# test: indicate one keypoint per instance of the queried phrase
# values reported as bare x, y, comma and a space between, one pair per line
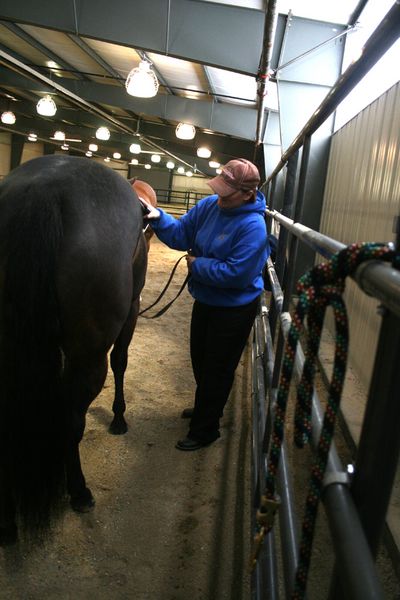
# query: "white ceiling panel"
337, 11
186, 78
120, 58
233, 88
63, 46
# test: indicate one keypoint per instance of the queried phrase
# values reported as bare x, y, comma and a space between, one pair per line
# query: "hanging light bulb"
203, 152
142, 81
185, 131
134, 161
65, 147
117, 155
103, 133
170, 164
46, 107
147, 166
88, 153
8, 117
107, 159
93, 147
214, 164
135, 148
59, 135
32, 137
155, 158
218, 171
189, 174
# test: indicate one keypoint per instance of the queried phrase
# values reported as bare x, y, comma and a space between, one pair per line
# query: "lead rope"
318, 288
166, 307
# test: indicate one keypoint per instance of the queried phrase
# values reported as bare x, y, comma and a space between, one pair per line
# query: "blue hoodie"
231, 247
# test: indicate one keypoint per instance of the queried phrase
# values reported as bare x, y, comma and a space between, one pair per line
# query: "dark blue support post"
17, 146
287, 210
379, 447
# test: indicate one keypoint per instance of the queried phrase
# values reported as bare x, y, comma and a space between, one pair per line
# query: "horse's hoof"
83, 503
118, 427
8, 535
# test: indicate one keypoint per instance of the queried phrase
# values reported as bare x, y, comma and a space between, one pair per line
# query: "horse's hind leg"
119, 361
82, 383
8, 528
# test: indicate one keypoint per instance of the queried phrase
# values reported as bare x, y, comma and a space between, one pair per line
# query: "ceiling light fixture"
189, 174
181, 170
155, 158
214, 164
218, 171
107, 159
142, 81
93, 147
88, 153
147, 166
103, 133
203, 152
170, 164
65, 147
185, 131
8, 117
135, 148
117, 155
46, 107
134, 161
32, 137
59, 136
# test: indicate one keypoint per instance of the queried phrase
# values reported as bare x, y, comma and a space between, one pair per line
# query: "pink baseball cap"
237, 174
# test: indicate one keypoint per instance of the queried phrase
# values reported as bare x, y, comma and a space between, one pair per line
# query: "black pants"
217, 338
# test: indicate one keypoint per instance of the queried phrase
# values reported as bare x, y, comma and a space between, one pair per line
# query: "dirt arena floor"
167, 525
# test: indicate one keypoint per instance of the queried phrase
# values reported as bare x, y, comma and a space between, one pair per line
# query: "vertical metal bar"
264, 578
289, 275
379, 447
287, 514
354, 564
270, 201
287, 210
287, 523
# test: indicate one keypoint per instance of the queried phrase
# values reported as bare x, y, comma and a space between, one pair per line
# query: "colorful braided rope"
319, 288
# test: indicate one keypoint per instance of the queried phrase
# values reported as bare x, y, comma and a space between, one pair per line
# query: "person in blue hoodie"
227, 243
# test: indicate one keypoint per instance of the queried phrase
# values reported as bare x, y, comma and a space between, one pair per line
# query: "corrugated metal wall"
362, 197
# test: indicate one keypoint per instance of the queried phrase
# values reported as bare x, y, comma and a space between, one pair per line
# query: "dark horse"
72, 264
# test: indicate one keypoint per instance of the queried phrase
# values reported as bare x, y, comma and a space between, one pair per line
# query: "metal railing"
356, 510
180, 200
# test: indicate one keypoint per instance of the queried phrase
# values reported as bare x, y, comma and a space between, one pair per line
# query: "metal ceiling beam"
170, 28
265, 63
17, 66
237, 121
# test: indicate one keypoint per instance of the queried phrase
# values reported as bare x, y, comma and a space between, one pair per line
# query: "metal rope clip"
266, 513
265, 519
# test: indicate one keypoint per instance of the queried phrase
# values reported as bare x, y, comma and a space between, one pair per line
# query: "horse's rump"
69, 229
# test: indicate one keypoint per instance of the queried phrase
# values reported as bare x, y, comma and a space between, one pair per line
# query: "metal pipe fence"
355, 509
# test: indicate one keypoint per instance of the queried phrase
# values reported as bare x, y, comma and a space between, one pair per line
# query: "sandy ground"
167, 525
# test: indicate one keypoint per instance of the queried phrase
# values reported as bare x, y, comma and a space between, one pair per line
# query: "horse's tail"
31, 402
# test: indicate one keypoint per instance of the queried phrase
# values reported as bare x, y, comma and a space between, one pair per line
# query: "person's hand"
189, 261
150, 212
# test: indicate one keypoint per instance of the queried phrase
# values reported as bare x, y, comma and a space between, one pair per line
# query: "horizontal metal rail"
374, 277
